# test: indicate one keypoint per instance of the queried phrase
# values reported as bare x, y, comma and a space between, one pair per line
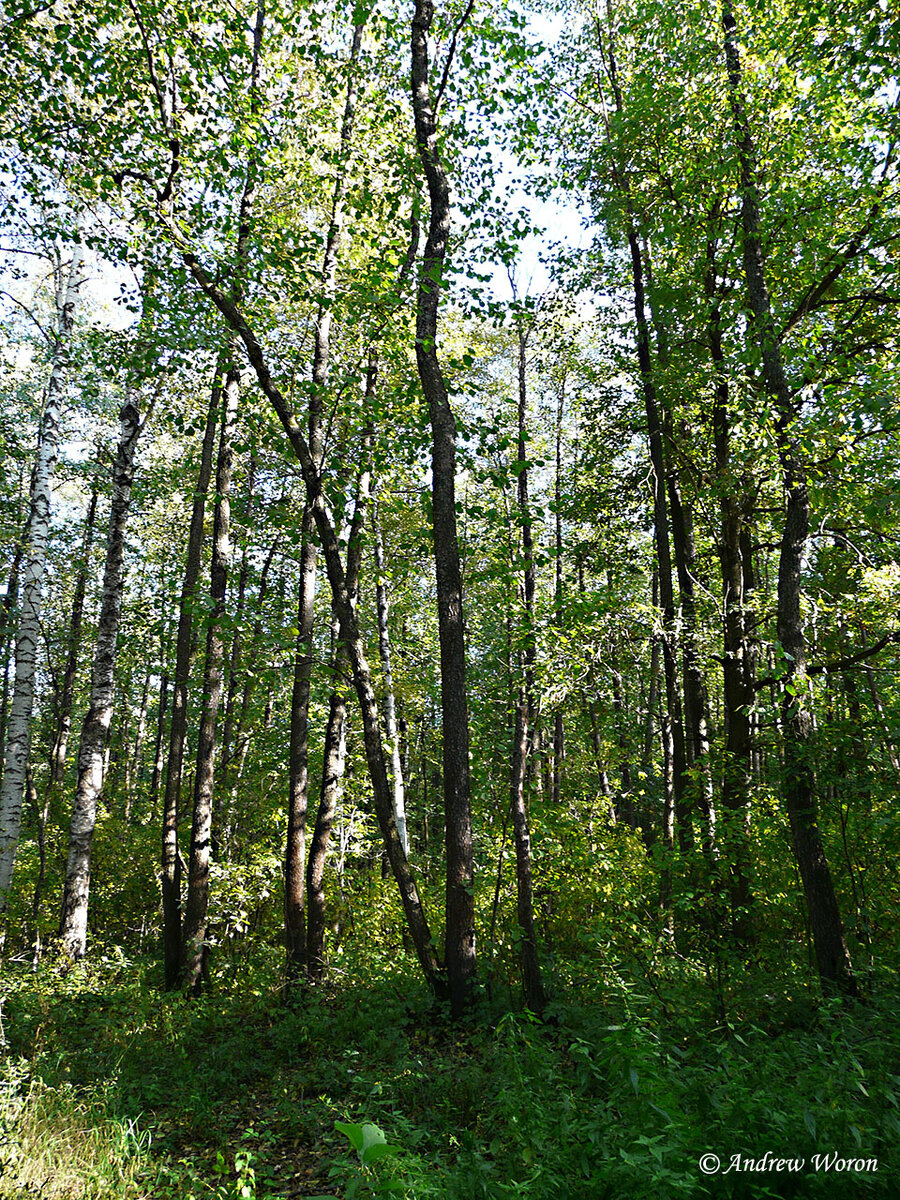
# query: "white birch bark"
18, 729
92, 747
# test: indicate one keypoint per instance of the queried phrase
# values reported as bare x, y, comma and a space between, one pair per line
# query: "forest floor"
111, 1089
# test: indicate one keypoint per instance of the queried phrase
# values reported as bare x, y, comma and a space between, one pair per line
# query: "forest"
449, 599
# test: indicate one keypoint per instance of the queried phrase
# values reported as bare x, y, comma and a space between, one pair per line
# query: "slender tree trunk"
525, 708
558, 720
675, 738
156, 777
196, 909
94, 731
384, 649
350, 633
333, 761
298, 798
887, 739
184, 647
334, 753
832, 956
737, 669
133, 764
18, 728
222, 836
233, 765
460, 905
70, 671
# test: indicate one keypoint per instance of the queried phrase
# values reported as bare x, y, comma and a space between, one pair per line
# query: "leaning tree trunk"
18, 728
94, 731
832, 956
184, 648
460, 907
196, 909
349, 625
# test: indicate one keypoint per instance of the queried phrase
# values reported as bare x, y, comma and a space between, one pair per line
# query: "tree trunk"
94, 731
737, 669
525, 708
184, 646
70, 671
384, 649
298, 798
832, 956
675, 737
460, 904
18, 729
156, 777
196, 909
350, 633
333, 761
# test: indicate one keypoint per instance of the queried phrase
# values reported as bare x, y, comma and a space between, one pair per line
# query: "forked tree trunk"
196, 908
18, 727
832, 956
460, 904
94, 731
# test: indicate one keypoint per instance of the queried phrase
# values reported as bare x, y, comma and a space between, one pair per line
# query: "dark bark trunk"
460, 905
832, 956
184, 643
196, 908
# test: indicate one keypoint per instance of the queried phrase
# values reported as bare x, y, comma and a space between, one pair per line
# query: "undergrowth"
111, 1089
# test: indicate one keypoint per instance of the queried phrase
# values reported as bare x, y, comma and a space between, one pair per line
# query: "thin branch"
450, 53
24, 307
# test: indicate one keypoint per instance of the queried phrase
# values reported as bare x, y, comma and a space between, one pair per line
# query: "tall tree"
460, 905
832, 956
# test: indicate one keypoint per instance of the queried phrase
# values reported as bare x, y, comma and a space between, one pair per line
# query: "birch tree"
18, 728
